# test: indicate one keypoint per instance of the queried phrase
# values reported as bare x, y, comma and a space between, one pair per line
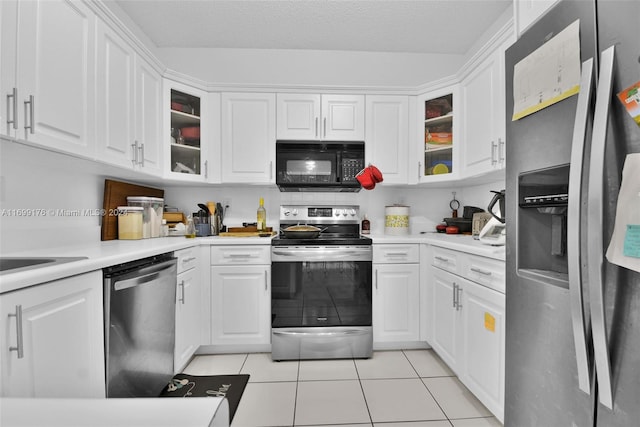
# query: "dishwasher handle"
150, 274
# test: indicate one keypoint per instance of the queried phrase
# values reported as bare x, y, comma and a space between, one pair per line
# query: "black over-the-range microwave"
319, 165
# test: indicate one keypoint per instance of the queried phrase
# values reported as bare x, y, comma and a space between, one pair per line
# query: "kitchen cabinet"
248, 138
439, 135
329, 117
468, 321
192, 134
52, 339
188, 307
129, 105
526, 12
241, 297
396, 302
484, 112
48, 74
387, 136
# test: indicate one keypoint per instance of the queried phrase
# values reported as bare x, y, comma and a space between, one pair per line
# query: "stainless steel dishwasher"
139, 299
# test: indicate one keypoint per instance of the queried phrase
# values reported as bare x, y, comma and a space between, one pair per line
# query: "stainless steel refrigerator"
572, 318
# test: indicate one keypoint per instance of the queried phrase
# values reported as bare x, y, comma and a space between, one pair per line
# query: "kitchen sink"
14, 264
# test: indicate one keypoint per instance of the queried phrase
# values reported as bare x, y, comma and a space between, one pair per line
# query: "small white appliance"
495, 231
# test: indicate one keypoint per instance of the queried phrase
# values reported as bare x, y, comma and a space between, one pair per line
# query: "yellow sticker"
489, 322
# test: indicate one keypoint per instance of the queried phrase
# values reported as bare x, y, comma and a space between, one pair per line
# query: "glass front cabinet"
190, 133
438, 136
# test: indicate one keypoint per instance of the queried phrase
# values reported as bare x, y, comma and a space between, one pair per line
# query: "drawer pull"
397, 254
443, 259
239, 255
185, 260
181, 284
477, 270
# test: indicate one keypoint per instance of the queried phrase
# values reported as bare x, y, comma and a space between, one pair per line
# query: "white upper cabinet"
248, 137
129, 94
320, 117
53, 77
484, 148
527, 12
387, 136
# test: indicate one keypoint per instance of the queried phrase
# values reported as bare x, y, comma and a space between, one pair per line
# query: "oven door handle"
325, 334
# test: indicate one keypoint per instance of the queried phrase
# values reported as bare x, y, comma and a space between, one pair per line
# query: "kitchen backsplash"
49, 199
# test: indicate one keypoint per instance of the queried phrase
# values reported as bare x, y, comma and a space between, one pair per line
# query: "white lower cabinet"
240, 296
468, 321
396, 294
52, 339
188, 307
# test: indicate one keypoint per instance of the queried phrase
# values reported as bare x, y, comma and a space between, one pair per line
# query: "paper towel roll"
396, 220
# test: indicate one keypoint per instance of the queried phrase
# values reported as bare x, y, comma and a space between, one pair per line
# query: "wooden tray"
246, 234
115, 194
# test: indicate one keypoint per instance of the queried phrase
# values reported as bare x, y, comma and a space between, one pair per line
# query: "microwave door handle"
581, 327
595, 232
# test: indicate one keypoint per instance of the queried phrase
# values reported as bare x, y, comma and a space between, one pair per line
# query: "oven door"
321, 302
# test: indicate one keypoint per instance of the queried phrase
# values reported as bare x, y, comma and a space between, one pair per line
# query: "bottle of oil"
190, 232
262, 217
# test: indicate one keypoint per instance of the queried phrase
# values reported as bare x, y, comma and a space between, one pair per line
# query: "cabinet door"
188, 317
439, 136
115, 89
298, 116
8, 85
396, 303
55, 66
148, 117
248, 137
240, 304
387, 127
343, 117
62, 338
446, 318
484, 343
481, 99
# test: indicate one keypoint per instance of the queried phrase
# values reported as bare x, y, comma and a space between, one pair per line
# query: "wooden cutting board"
115, 194
244, 234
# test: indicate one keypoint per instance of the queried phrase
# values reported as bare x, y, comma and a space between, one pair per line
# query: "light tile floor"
405, 388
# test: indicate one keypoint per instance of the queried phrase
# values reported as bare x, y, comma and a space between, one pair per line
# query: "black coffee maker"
497, 198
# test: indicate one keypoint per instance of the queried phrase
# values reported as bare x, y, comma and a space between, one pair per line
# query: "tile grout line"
427, 388
295, 396
364, 396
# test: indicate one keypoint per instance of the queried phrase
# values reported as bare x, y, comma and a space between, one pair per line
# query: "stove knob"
337, 212
286, 212
295, 212
352, 212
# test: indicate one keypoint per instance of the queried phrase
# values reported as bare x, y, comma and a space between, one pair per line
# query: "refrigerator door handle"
595, 249
581, 327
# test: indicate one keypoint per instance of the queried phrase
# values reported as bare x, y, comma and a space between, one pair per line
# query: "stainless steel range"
321, 286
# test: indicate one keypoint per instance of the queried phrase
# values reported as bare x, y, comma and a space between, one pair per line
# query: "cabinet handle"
185, 260
206, 168
317, 126
141, 151
19, 348
239, 255
477, 270
376, 279
443, 259
134, 153
454, 293
494, 146
30, 114
325, 127
419, 170
13, 95
397, 254
266, 281
181, 284
458, 292
271, 170
501, 147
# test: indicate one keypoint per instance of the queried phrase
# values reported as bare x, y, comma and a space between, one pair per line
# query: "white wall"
291, 68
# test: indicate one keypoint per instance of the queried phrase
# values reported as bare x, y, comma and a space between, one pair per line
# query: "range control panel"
305, 214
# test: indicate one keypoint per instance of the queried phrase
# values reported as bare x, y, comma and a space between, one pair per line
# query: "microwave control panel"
350, 168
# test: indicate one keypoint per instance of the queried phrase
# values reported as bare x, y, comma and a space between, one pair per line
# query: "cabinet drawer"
445, 259
486, 271
396, 253
187, 259
228, 255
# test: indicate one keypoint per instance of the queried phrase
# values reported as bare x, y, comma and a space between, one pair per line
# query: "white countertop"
105, 254
457, 242
141, 412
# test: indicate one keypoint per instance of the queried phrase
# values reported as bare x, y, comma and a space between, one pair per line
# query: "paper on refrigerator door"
549, 74
625, 241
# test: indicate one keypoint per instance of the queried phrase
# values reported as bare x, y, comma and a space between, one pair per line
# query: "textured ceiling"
420, 26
